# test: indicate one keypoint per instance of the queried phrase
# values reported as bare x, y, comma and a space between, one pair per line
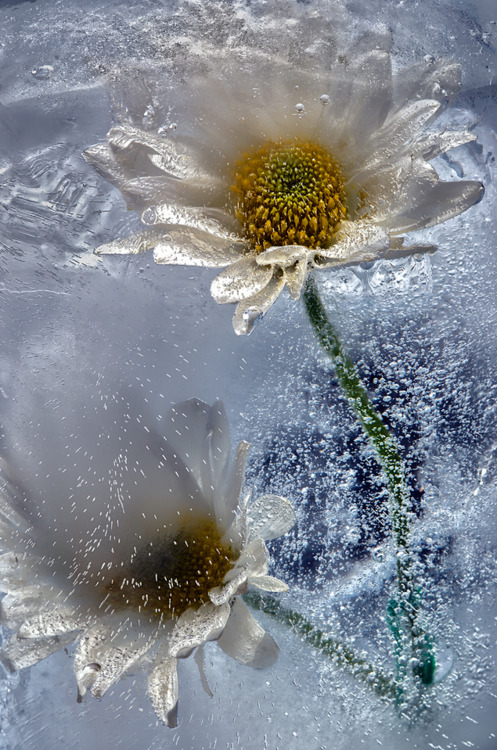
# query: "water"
88, 339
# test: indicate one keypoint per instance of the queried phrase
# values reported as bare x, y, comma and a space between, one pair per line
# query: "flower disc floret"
168, 576
289, 194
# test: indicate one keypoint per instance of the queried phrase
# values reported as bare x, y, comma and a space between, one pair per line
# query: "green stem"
340, 654
388, 455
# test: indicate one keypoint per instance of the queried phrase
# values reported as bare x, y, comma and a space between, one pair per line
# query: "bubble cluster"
289, 194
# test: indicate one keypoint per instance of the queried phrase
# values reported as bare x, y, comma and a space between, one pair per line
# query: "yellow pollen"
170, 575
289, 193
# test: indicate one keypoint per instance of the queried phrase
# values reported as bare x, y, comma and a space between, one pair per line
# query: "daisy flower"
276, 169
154, 582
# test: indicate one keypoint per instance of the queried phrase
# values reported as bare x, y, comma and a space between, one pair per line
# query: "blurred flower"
281, 168
154, 583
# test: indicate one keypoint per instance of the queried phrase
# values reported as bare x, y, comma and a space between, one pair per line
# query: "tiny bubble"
324, 99
149, 114
378, 555
299, 107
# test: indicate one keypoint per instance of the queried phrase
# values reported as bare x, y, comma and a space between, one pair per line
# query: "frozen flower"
277, 168
154, 582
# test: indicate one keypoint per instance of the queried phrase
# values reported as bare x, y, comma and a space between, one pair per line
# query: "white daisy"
157, 582
275, 169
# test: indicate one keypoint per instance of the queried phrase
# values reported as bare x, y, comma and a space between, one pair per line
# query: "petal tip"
244, 324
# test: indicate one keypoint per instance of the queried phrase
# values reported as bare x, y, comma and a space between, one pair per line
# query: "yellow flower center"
289, 194
167, 577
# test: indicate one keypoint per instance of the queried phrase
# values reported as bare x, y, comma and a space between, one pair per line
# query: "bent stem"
340, 654
404, 610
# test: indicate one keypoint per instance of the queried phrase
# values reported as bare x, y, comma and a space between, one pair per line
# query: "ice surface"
87, 342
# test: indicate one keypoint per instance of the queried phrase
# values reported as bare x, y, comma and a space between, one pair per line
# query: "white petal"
227, 501
142, 192
268, 583
20, 653
221, 595
356, 240
211, 220
214, 463
236, 534
294, 259
394, 134
16, 570
360, 89
199, 435
396, 184
245, 641
16, 607
284, 255
295, 278
252, 561
144, 183
166, 485
58, 621
136, 243
406, 250
217, 448
102, 159
433, 144
141, 151
163, 689
104, 654
14, 523
240, 280
163, 482
192, 247
371, 96
195, 627
270, 516
200, 662
249, 312
442, 202
176, 246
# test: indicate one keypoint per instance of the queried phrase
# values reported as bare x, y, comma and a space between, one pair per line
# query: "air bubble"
167, 128
251, 316
149, 216
445, 663
43, 72
149, 114
299, 108
324, 99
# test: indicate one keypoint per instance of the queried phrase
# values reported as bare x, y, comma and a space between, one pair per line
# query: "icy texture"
91, 345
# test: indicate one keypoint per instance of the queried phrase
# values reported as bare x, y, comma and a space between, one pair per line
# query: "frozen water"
87, 342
